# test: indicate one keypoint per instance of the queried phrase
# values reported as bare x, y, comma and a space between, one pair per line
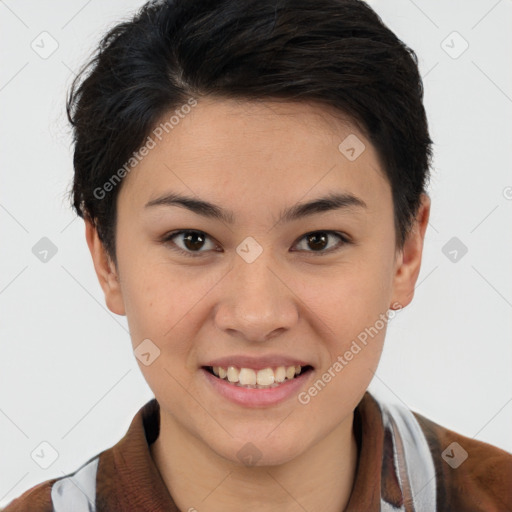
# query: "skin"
255, 159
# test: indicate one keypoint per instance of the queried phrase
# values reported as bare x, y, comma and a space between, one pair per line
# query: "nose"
257, 303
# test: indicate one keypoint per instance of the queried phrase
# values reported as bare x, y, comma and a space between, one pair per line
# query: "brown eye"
318, 241
193, 240
189, 242
192, 243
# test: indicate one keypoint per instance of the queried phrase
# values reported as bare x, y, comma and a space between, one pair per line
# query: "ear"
408, 261
105, 270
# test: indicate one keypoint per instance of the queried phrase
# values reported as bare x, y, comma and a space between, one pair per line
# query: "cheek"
160, 308
353, 313
164, 303
153, 298
349, 299
352, 305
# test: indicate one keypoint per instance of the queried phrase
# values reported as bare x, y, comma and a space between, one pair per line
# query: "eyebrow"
331, 202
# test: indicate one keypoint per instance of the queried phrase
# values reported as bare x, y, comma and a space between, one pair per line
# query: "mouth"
251, 378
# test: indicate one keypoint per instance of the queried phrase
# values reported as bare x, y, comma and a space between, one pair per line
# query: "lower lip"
252, 397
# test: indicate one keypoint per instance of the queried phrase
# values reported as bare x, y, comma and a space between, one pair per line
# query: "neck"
320, 479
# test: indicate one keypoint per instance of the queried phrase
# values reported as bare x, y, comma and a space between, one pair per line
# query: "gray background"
68, 376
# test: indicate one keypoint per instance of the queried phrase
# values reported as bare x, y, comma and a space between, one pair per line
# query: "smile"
263, 381
257, 379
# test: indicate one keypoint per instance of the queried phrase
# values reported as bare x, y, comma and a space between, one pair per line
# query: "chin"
259, 451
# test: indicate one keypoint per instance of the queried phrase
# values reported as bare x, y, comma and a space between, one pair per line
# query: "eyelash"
194, 254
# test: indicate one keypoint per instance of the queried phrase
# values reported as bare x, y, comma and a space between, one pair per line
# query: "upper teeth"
248, 376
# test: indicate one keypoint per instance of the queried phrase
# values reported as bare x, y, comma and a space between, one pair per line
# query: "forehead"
227, 150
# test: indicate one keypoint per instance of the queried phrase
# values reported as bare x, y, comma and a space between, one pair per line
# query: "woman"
252, 176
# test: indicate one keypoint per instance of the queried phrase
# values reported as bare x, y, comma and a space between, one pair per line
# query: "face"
256, 281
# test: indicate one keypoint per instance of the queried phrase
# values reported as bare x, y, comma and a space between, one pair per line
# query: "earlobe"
105, 270
409, 261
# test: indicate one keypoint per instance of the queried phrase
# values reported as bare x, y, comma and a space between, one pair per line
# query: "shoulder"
437, 468
471, 475
56, 495
105, 478
37, 499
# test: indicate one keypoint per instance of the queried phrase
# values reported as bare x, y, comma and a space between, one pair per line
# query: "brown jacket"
406, 463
